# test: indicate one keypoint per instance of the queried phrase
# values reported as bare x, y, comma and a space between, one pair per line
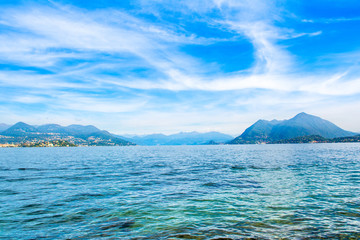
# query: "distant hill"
80, 129
3, 127
103, 138
147, 140
258, 132
355, 138
77, 134
318, 139
304, 139
302, 124
182, 138
20, 129
52, 128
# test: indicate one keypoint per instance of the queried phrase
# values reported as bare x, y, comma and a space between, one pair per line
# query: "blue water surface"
301, 191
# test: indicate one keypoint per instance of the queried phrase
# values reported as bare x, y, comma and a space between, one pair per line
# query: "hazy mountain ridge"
90, 135
77, 134
302, 124
3, 127
182, 138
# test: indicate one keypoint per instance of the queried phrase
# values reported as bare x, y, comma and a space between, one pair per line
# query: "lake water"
308, 191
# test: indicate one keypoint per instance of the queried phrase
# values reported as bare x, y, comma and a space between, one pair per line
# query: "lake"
303, 191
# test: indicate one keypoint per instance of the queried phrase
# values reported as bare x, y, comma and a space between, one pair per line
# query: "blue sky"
150, 66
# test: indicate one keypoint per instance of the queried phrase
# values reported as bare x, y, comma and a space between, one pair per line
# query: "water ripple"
185, 192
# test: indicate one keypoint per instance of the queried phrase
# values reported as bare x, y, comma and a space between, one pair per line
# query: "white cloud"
330, 20
86, 34
68, 42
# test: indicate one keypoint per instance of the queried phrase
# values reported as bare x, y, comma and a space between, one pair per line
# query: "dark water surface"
308, 191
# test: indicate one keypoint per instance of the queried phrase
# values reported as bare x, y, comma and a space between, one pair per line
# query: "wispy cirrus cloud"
331, 20
134, 63
85, 35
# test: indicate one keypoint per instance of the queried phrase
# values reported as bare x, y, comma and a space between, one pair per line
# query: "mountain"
20, 129
195, 138
3, 127
73, 130
76, 134
305, 124
182, 138
52, 128
302, 124
104, 138
148, 140
259, 131
79, 129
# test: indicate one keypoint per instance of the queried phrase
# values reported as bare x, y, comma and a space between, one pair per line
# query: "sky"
165, 66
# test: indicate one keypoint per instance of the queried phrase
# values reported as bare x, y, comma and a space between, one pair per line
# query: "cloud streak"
114, 61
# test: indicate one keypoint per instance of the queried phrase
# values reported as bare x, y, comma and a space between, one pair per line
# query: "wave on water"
182, 192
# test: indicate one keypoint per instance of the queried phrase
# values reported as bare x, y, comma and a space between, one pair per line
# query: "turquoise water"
308, 191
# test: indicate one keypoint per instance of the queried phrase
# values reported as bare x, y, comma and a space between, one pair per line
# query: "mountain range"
90, 135
182, 138
302, 124
299, 129
77, 134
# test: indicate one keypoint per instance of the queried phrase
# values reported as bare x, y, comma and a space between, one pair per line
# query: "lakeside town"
55, 143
